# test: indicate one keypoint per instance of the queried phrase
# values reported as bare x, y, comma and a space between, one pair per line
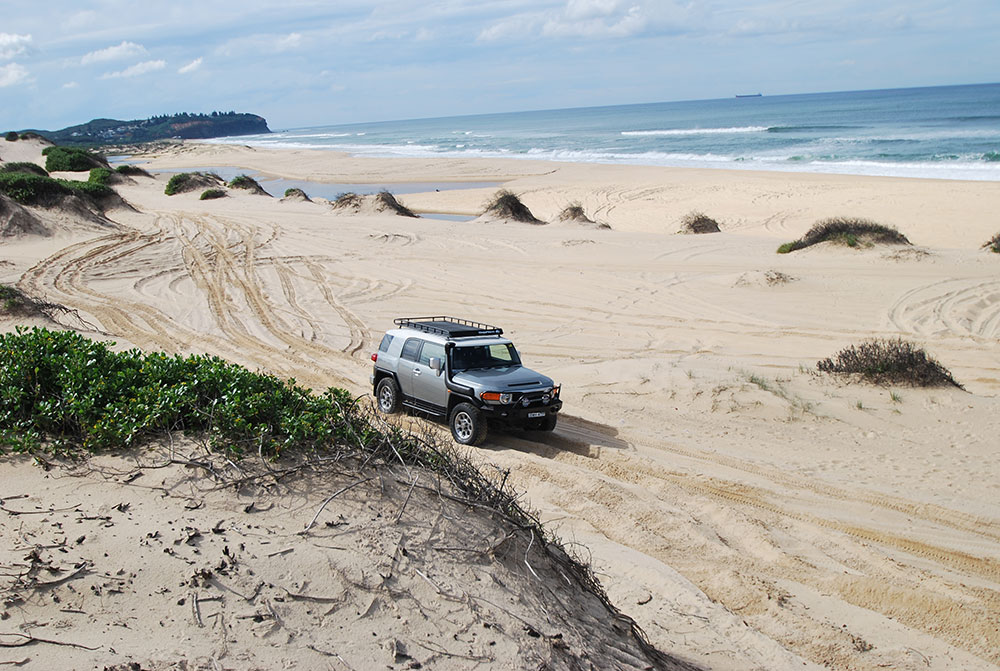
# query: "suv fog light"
505, 398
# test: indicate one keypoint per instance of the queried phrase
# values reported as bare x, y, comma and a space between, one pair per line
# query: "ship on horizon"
749, 95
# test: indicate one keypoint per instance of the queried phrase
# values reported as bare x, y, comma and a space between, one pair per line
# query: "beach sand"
746, 511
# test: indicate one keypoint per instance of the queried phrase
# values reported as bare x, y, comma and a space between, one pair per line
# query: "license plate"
533, 415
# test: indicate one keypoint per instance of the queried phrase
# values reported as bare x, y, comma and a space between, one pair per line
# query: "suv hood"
516, 378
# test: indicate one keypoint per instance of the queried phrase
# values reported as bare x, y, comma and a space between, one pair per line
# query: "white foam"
697, 131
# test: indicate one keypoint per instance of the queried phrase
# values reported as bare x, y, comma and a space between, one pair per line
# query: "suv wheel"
387, 396
468, 426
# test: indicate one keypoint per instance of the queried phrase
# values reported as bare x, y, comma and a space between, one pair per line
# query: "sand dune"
748, 513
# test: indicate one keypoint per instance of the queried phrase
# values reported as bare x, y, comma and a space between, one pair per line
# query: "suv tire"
468, 426
387, 396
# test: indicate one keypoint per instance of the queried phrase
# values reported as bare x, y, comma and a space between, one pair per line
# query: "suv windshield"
500, 355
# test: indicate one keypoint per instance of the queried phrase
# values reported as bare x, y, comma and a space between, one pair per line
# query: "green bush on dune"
24, 166
849, 231
212, 194
31, 189
71, 159
131, 171
59, 386
11, 136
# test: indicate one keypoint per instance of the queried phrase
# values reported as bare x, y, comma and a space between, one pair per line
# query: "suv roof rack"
451, 327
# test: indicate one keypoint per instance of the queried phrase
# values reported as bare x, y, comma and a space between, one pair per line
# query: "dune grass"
889, 362
131, 171
993, 244
387, 201
698, 223
852, 232
212, 194
506, 205
191, 181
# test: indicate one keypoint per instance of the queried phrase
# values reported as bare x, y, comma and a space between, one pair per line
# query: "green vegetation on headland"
847, 231
182, 126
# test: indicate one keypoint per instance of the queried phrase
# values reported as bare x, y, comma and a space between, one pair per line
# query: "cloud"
11, 74
13, 45
288, 42
123, 50
597, 19
136, 70
70, 85
190, 67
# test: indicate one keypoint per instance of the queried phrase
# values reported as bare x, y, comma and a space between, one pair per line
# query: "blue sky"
302, 63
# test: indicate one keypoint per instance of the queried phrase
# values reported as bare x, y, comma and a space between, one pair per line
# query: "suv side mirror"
435, 365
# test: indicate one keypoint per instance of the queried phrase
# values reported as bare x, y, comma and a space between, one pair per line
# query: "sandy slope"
747, 513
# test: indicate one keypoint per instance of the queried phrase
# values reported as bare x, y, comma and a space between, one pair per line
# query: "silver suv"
463, 371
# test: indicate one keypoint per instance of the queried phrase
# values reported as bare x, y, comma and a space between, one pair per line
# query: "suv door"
407, 364
428, 386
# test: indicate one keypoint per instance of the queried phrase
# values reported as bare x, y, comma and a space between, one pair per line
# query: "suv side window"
386, 341
410, 349
431, 349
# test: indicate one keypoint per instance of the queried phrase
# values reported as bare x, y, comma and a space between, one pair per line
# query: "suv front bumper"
517, 415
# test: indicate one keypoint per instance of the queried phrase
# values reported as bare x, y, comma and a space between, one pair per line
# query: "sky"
305, 63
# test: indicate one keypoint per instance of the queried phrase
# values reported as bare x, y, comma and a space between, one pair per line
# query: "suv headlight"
555, 391
496, 397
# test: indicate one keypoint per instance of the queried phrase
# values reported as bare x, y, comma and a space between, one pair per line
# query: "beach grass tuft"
889, 362
849, 231
212, 194
297, 194
129, 170
247, 183
506, 205
697, 222
192, 181
993, 244
386, 201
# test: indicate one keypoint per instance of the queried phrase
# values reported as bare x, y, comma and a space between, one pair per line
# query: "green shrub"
190, 181
243, 182
71, 159
100, 176
889, 362
212, 194
31, 189
11, 136
131, 171
24, 166
62, 387
298, 193
846, 231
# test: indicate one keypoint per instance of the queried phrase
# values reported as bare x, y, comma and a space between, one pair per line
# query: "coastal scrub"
849, 231
71, 159
506, 205
993, 244
889, 362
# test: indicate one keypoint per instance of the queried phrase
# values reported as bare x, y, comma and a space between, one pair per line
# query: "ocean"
945, 132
